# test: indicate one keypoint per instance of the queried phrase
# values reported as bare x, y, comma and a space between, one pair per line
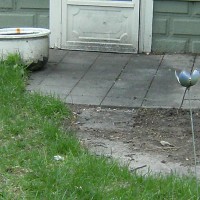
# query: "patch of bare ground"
159, 140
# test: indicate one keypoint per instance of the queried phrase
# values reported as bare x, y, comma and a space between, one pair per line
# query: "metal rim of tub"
14, 33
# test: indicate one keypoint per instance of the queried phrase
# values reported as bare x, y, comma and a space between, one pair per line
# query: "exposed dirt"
159, 139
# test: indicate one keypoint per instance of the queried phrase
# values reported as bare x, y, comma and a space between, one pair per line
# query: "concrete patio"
116, 80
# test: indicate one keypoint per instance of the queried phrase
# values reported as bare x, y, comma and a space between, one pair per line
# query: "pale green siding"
24, 13
176, 27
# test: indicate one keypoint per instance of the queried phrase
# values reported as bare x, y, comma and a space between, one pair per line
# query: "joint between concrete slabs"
84, 74
116, 79
152, 80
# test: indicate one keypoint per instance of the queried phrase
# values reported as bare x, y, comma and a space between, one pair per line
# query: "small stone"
98, 109
165, 143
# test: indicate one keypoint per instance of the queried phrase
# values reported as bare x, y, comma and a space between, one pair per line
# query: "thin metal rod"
193, 141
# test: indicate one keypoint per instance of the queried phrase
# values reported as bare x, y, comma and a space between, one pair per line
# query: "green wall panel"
16, 19
34, 4
6, 4
171, 7
176, 27
160, 25
24, 13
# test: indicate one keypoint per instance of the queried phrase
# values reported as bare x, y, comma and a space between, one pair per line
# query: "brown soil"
144, 130
170, 125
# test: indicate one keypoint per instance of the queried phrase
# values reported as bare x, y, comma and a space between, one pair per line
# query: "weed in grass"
31, 134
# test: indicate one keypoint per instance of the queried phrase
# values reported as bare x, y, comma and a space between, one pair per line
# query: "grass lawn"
32, 133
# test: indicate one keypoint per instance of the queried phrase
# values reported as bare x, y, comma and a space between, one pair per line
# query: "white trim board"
55, 22
146, 22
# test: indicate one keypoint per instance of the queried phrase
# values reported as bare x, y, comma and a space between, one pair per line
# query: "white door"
100, 25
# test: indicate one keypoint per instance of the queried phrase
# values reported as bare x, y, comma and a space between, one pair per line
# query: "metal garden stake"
187, 80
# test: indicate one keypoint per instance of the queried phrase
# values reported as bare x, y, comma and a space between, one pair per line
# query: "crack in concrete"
116, 79
152, 80
88, 69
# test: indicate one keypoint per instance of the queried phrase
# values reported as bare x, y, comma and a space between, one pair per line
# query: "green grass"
32, 133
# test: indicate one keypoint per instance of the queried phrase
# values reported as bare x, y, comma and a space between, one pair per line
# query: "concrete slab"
178, 62
90, 91
84, 100
48, 68
194, 92
51, 90
101, 75
122, 102
95, 83
128, 78
59, 82
71, 67
124, 84
133, 86
56, 55
141, 61
165, 91
163, 101
106, 60
138, 75
130, 92
197, 63
106, 68
195, 104
38, 76
67, 73
80, 57
35, 80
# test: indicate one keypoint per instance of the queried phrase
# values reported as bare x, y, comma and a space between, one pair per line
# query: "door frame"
145, 25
